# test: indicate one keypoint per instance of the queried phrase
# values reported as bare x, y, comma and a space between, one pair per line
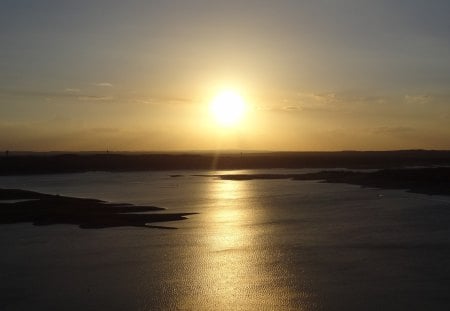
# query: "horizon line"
237, 151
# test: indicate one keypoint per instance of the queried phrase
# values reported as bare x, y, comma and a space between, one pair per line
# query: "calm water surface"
255, 245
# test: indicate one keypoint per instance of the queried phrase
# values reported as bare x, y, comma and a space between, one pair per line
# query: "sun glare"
228, 107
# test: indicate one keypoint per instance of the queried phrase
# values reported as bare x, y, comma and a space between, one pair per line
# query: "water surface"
256, 245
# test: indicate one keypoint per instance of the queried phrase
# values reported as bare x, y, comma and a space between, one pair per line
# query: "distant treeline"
70, 163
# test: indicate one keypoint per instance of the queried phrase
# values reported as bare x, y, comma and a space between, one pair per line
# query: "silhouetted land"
418, 180
44, 209
72, 163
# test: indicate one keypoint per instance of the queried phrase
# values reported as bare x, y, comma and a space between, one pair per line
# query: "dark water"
256, 245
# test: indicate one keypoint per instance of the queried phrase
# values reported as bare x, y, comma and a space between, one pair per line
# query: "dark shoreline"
45, 209
11, 164
432, 181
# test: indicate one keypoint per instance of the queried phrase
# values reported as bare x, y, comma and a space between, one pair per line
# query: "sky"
141, 75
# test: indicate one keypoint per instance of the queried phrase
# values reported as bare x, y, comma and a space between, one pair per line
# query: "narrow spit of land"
418, 180
17, 206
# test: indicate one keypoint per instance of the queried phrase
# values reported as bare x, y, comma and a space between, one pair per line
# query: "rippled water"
255, 245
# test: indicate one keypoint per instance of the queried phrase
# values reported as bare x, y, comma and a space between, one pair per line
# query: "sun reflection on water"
229, 215
232, 271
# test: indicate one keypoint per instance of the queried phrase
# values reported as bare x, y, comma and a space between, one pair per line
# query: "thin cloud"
418, 99
33, 93
163, 100
95, 98
72, 90
141, 101
338, 102
103, 84
319, 102
393, 130
292, 108
105, 130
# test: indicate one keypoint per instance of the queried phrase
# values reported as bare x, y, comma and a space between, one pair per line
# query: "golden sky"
141, 75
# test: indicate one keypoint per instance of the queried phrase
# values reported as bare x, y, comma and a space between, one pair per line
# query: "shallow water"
255, 245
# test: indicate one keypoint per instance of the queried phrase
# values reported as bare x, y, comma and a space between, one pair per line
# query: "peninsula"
18, 206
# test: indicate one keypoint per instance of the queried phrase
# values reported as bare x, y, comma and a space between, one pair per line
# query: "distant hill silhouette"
71, 163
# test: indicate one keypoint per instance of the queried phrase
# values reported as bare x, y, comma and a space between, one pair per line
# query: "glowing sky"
138, 75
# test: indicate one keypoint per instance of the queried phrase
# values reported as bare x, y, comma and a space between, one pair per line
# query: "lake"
254, 245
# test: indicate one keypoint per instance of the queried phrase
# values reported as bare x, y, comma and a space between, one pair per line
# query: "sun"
228, 107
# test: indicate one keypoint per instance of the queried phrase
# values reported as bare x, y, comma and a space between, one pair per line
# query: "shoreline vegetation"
21, 206
432, 181
49, 163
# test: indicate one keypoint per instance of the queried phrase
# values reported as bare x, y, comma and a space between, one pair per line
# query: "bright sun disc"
228, 108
